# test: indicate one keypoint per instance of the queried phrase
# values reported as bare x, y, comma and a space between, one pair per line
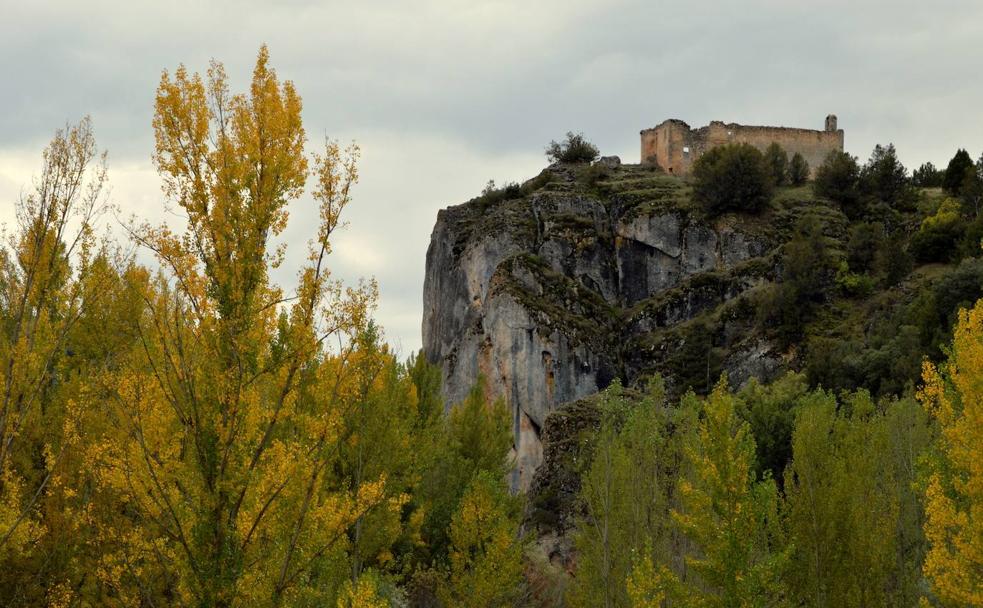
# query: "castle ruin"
674, 146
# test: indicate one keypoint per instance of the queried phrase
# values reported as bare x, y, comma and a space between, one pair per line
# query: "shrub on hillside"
575, 149
939, 234
732, 178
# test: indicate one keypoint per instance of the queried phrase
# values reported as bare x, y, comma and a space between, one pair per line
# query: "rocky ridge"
584, 274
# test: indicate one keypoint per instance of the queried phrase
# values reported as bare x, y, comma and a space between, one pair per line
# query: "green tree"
627, 493
776, 159
837, 179
971, 189
853, 514
939, 234
575, 149
798, 170
474, 437
885, 178
485, 553
955, 172
731, 518
770, 411
927, 176
734, 177
808, 266
377, 436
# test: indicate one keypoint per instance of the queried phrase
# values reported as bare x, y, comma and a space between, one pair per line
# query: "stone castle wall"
674, 146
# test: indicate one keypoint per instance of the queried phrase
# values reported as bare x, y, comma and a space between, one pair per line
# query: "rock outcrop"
582, 275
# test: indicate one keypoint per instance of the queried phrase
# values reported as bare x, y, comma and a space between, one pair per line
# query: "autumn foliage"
197, 435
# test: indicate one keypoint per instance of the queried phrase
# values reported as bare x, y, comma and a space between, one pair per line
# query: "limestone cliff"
582, 275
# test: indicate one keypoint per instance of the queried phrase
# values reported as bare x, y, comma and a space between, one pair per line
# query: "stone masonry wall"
674, 146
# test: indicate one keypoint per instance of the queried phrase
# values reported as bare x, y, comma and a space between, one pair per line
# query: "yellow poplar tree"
46, 285
218, 458
485, 554
953, 394
731, 519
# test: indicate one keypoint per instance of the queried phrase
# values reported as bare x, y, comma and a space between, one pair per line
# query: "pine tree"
798, 170
776, 160
955, 172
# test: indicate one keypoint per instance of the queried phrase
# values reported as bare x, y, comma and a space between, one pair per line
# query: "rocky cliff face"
583, 275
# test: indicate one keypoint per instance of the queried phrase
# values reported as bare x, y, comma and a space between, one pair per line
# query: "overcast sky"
445, 95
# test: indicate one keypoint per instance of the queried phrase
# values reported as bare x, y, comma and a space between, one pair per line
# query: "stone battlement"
674, 146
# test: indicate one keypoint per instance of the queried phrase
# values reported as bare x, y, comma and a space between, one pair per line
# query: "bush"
955, 173
575, 149
939, 234
492, 194
836, 179
594, 174
777, 161
732, 177
798, 170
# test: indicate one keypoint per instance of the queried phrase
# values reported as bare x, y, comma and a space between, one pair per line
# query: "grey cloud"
445, 94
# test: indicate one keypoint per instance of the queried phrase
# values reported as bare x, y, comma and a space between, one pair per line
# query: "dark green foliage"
474, 437
892, 260
955, 173
732, 178
971, 189
972, 239
770, 410
937, 243
837, 179
862, 245
808, 268
852, 504
886, 354
695, 362
872, 251
798, 170
492, 194
927, 176
575, 149
884, 178
776, 159
939, 235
